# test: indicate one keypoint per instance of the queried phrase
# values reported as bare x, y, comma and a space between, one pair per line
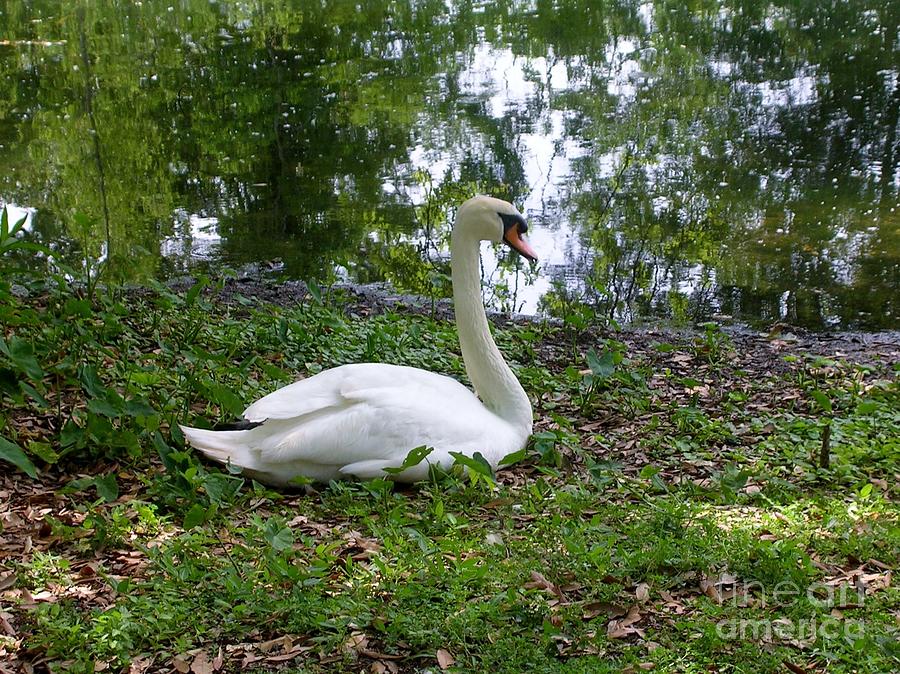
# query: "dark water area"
676, 160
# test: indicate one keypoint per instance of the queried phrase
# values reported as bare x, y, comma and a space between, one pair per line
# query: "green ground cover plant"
691, 501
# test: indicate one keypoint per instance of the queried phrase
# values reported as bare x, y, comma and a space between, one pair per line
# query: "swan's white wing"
345, 385
360, 418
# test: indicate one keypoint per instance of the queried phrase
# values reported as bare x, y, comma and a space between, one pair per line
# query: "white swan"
355, 420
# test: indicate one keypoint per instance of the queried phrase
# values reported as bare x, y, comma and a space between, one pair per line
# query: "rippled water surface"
675, 159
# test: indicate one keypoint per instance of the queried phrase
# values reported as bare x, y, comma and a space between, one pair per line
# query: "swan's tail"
222, 446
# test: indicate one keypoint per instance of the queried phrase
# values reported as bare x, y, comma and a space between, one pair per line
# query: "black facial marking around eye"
515, 220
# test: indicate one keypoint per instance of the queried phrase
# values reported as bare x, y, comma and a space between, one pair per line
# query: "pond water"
683, 160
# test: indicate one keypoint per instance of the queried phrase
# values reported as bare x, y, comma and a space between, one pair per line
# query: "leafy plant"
600, 372
11, 236
413, 458
12, 453
714, 343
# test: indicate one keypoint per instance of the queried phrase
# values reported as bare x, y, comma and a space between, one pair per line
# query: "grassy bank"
681, 508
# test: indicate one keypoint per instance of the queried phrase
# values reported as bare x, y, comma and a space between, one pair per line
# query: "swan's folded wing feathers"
335, 386
371, 418
298, 399
351, 383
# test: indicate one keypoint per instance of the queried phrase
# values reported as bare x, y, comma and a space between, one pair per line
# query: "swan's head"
490, 219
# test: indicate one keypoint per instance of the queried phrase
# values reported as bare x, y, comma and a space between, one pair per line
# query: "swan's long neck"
494, 381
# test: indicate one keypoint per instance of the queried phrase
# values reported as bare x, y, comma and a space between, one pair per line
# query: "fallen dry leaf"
633, 616
595, 608
201, 664
619, 629
876, 581
376, 655
642, 592
355, 643
88, 570
218, 660
539, 582
708, 587
284, 642
445, 660
139, 665
180, 663
7, 627
295, 652
871, 562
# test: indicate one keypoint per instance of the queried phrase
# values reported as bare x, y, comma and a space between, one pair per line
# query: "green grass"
671, 512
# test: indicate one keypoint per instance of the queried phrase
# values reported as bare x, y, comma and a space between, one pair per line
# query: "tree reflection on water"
676, 159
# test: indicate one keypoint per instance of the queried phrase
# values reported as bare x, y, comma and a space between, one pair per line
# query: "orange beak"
518, 244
